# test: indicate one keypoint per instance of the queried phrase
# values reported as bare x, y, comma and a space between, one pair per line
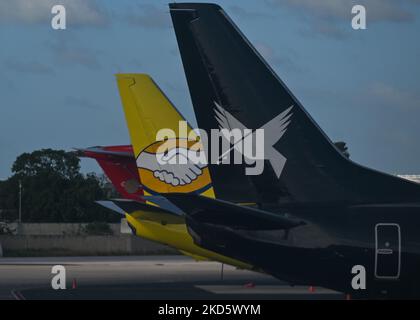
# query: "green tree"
54, 190
342, 146
60, 162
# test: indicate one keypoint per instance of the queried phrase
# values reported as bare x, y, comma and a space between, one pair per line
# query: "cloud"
247, 15
148, 16
67, 51
332, 17
387, 95
378, 10
328, 29
33, 67
79, 12
78, 56
272, 58
81, 103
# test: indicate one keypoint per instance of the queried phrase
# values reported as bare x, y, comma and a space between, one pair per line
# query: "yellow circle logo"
171, 166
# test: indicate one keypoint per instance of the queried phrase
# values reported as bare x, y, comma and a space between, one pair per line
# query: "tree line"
54, 190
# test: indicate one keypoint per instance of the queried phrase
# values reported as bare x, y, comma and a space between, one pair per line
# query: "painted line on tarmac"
263, 289
17, 295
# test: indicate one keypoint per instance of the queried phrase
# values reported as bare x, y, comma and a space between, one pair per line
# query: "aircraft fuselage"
383, 239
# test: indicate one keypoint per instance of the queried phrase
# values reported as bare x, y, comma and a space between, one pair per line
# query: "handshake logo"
179, 159
172, 165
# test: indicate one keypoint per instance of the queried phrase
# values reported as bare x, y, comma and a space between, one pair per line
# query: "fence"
61, 239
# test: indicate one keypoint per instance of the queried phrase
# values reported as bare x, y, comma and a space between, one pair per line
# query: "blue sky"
58, 89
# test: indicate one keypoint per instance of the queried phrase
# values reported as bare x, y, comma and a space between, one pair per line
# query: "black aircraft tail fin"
232, 86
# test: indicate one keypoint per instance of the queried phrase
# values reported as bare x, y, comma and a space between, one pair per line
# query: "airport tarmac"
143, 277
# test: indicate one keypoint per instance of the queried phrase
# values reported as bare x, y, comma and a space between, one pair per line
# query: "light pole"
20, 202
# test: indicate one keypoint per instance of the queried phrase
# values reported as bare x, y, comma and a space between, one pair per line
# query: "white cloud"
69, 51
378, 10
326, 16
148, 16
241, 12
389, 95
285, 61
79, 12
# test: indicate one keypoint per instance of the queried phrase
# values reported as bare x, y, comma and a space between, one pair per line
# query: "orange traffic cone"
311, 289
249, 285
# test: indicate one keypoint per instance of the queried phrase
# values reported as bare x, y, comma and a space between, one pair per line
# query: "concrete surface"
145, 277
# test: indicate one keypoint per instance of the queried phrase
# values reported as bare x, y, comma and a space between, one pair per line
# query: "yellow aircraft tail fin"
147, 110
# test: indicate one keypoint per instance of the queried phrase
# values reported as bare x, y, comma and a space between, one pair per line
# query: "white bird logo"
273, 131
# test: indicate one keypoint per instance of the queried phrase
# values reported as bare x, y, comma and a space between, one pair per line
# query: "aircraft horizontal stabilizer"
163, 203
98, 150
126, 206
217, 212
111, 206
